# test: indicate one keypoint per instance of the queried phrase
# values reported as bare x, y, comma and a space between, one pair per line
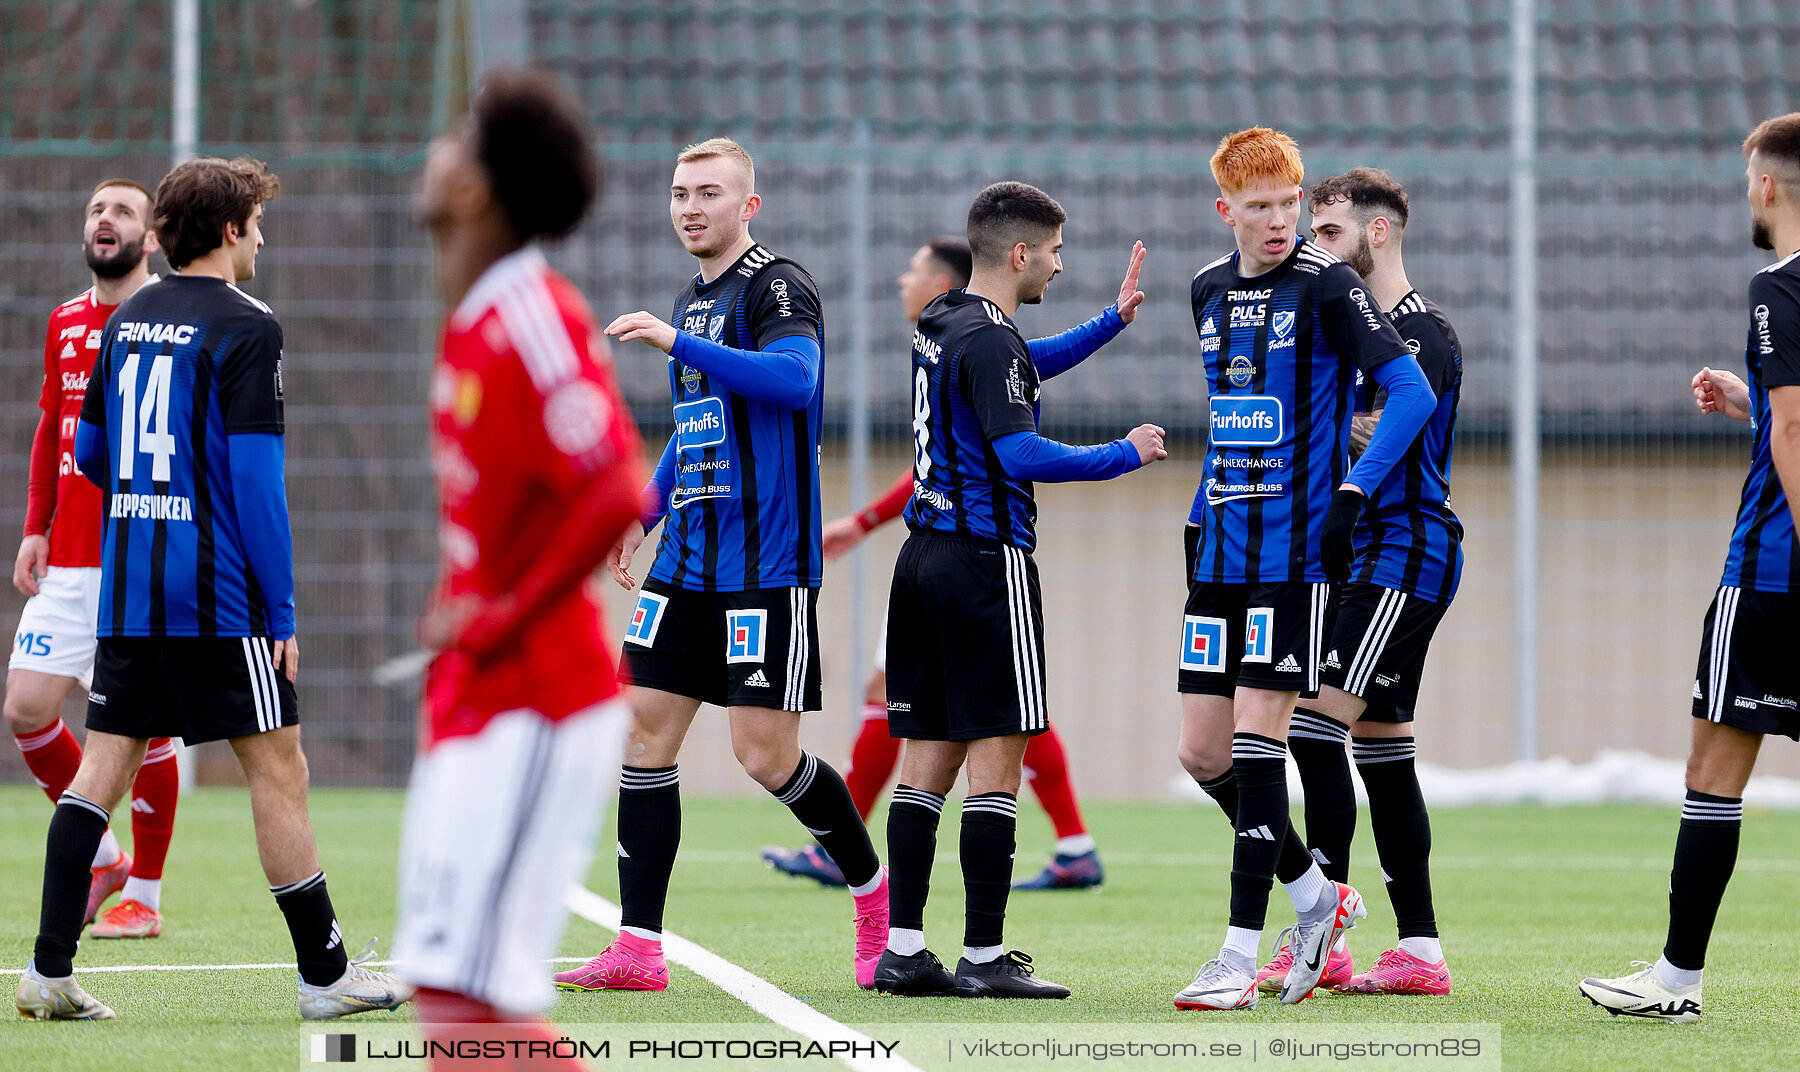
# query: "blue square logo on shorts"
1258, 622
1203, 644
646, 619
745, 632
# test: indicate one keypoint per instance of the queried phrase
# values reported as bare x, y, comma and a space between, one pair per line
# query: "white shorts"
497, 826
56, 629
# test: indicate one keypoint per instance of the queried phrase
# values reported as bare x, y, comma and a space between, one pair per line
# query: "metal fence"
1641, 250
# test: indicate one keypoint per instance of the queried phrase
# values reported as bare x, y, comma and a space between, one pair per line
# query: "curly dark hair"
537, 152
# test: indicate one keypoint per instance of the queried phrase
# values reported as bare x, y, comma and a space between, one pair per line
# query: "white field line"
761, 995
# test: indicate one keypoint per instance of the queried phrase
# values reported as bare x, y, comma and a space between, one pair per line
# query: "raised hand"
646, 326
1148, 439
1130, 297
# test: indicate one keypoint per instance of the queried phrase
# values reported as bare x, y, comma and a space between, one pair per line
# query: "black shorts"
1749, 675
1259, 636
1377, 649
756, 648
196, 688
965, 653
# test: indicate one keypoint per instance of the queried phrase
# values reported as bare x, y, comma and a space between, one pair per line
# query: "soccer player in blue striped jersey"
1747, 686
726, 614
182, 428
965, 622
1284, 329
1408, 560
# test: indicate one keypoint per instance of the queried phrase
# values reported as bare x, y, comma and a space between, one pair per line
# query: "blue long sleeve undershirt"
257, 461
656, 493
1057, 354
1029, 456
90, 453
786, 374
1410, 404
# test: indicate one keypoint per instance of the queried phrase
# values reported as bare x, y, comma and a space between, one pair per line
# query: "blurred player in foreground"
965, 613
183, 428
940, 265
1748, 682
58, 567
538, 472
1284, 328
726, 614
1407, 566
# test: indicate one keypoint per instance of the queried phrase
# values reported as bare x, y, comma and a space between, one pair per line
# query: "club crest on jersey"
1203, 644
1246, 420
715, 329
745, 632
646, 619
700, 424
1241, 371
1258, 623
1281, 327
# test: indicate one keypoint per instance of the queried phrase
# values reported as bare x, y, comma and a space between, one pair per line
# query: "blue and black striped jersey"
1280, 351
973, 381
186, 366
1764, 555
744, 509
1408, 538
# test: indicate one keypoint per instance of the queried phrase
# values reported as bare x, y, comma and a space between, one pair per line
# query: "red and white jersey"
526, 415
70, 345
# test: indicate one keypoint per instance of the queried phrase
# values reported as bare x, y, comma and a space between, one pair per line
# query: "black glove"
1340, 521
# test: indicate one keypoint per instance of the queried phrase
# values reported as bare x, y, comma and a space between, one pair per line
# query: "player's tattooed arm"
1362, 429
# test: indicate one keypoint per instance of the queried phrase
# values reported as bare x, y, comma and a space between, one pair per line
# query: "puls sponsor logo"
1249, 316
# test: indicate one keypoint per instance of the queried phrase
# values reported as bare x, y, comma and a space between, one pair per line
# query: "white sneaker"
40, 998
359, 989
1644, 993
1220, 985
1313, 938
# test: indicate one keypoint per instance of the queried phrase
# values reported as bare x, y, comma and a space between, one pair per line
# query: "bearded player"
58, 567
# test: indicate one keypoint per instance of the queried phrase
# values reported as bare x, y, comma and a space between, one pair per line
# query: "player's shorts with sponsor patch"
498, 824
1378, 639
196, 688
965, 641
1749, 672
755, 648
56, 628
1260, 636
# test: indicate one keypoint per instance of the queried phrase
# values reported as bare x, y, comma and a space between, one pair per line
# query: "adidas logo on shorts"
1287, 666
757, 680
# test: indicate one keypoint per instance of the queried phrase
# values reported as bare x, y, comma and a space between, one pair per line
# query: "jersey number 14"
145, 427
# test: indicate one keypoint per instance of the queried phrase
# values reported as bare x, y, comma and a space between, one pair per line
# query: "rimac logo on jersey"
1246, 420
1203, 644
699, 424
646, 619
745, 632
1258, 623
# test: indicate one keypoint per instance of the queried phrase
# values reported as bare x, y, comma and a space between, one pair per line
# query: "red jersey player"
940, 265
58, 567
539, 470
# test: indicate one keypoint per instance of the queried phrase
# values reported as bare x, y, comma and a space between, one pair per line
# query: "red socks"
873, 757
154, 796
1048, 766
53, 755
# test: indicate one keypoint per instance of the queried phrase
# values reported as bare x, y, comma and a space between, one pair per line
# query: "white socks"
1242, 943
906, 943
1672, 976
981, 954
1306, 890
645, 933
109, 852
1426, 949
1075, 845
145, 891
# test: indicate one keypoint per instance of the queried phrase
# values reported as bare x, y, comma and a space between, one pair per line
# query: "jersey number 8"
148, 428
921, 431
